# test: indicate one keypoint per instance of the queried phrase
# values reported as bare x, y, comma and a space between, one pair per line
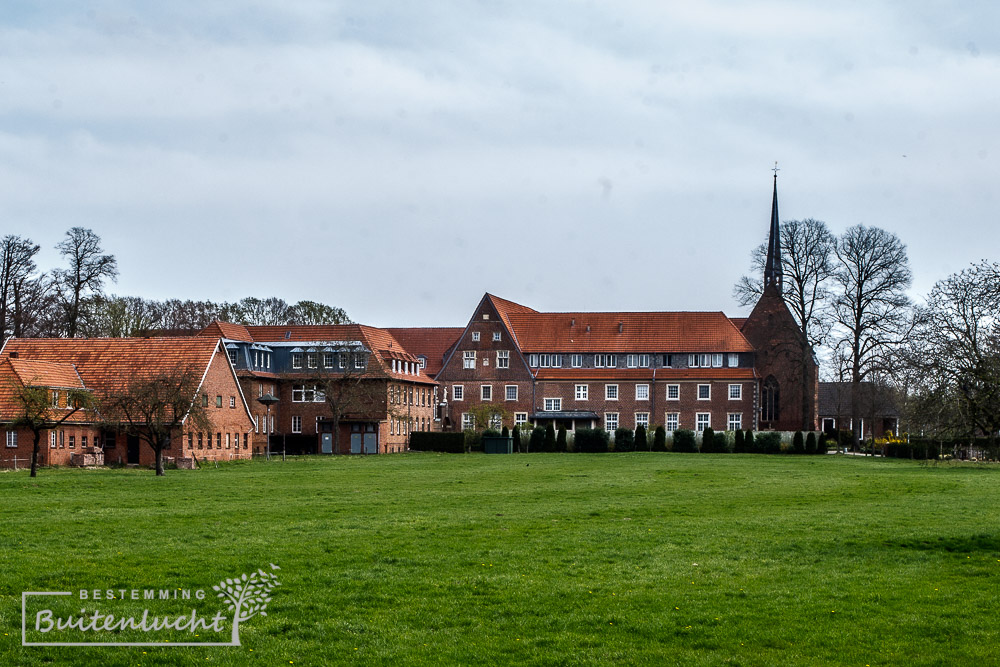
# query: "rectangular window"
642, 392
55, 398
458, 392
533, 360
632, 360
256, 425
673, 421
469, 359
520, 418
201, 442
734, 360
693, 360
716, 361
190, 440
328, 360
610, 421
735, 421
702, 420
475, 336
296, 424
12, 438
503, 358
83, 441
341, 360
232, 401
204, 400
637, 361
611, 392
576, 360
704, 392
422, 362
673, 392
582, 392
72, 441
359, 360
735, 392
468, 421
553, 404
605, 361
668, 360
642, 419
232, 357
218, 441
229, 444
296, 360
486, 392
511, 392
218, 401
52, 439
496, 336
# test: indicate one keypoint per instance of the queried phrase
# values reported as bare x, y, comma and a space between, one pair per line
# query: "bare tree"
955, 349
807, 264
870, 303
155, 408
17, 269
88, 268
35, 412
251, 311
121, 316
311, 312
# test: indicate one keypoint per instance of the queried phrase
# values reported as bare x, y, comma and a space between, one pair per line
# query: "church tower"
787, 398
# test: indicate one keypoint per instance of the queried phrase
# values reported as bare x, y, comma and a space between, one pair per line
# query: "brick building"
340, 389
104, 366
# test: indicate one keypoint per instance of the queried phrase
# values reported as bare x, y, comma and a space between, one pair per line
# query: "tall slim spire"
772, 269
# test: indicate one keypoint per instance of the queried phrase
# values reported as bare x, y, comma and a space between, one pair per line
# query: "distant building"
878, 407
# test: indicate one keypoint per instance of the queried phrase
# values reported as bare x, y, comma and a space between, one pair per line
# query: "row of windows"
218, 401
261, 359
204, 441
407, 426
582, 393
672, 422
469, 359
330, 360
632, 360
496, 336
409, 396
307, 393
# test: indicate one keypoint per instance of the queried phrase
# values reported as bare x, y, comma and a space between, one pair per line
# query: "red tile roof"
640, 374
219, 329
34, 373
738, 322
670, 332
107, 364
506, 309
431, 342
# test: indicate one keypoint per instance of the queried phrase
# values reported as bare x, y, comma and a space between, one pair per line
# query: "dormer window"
232, 356
422, 362
55, 398
359, 360
296, 360
311, 359
328, 360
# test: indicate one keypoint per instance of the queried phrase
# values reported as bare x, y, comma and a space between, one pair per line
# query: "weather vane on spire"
775, 170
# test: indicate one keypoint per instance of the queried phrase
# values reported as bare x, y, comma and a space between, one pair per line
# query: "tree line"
70, 300
938, 358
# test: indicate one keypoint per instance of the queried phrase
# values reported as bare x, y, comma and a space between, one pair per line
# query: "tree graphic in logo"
247, 596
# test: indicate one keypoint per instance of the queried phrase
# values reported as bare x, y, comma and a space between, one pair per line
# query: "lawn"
528, 559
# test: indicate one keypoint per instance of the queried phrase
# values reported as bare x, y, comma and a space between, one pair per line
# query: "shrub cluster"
624, 440
660, 439
427, 441
684, 441
591, 440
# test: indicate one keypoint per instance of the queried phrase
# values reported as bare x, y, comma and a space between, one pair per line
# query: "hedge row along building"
359, 389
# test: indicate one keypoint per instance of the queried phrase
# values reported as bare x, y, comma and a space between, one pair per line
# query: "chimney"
588, 328
572, 322
620, 325
13, 355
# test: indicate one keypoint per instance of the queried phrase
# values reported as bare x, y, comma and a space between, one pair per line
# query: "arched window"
769, 405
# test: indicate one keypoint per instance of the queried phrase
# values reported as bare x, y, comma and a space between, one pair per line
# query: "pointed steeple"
772, 269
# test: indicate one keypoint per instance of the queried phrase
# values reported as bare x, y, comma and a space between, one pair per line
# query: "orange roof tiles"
507, 308
431, 342
220, 329
107, 364
656, 332
34, 373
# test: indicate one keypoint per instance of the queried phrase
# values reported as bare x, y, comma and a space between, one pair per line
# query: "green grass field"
540, 559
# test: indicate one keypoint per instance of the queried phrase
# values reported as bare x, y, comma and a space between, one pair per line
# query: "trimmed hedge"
798, 443
641, 441
768, 442
660, 439
624, 440
739, 443
811, 443
561, 440
549, 444
537, 441
592, 440
427, 441
516, 434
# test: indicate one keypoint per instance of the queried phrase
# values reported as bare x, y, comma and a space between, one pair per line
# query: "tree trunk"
159, 460
34, 454
336, 432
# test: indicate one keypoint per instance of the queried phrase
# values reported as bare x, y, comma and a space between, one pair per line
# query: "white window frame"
468, 421
735, 421
422, 362
643, 419
610, 389
475, 336
503, 358
507, 392
672, 421
642, 392
716, 361
677, 389
702, 420
705, 398
735, 392
328, 360
576, 360
496, 336
582, 392
552, 404
52, 439
611, 421
520, 418
486, 392
605, 361
734, 360
458, 392
468, 359
296, 360
632, 361
312, 360
359, 361
12, 439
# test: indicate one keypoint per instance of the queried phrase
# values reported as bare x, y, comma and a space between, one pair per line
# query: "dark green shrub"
491, 433
738, 443
845, 438
822, 444
516, 435
624, 440
591, 440
641, 442
473, 441
536, 443
505, 432
550, 439
768, 442
684, 441
798, 443
811, 443
660, 439
721, 441
749, 444
708, 441
428, 441
561, 440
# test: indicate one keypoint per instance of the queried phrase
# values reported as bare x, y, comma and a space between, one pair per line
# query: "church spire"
772, 269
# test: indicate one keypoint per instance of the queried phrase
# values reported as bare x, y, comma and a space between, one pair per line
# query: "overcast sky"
399, 159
